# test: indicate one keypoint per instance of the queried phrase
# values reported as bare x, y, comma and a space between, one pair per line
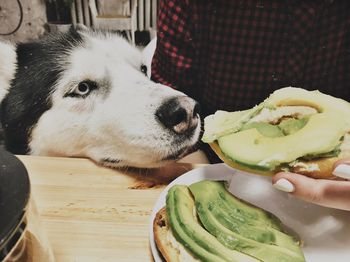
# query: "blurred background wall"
34, 19
133, 17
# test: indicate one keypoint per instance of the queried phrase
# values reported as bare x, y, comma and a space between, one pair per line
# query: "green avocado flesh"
291, 125
284, 128
267, 147
257, 150
228, 229
188, 230
264, 129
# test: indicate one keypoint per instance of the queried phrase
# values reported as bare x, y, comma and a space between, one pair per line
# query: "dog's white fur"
115, 122
148, 53
8, 66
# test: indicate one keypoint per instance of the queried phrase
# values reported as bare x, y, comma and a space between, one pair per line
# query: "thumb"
328, 193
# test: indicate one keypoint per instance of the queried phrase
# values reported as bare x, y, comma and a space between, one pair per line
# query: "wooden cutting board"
91, 213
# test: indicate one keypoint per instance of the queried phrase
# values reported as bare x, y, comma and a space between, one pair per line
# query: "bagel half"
315, 138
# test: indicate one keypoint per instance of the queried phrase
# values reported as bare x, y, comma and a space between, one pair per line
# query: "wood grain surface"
91, 213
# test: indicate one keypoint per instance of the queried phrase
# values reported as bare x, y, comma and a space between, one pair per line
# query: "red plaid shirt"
232, 54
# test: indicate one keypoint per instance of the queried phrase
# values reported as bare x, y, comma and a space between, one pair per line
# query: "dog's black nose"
179, 114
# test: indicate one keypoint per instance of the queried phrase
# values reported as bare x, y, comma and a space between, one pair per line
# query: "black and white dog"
86, 93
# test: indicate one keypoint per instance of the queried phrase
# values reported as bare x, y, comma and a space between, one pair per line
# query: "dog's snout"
179, 114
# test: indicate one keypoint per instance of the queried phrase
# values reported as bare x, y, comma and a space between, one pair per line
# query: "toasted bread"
172, 250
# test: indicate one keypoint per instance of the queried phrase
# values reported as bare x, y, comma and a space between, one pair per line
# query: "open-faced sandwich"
293, 130
205, 222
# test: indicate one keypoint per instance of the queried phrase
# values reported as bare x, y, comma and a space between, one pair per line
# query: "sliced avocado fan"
188, 230
241, 226
213, 225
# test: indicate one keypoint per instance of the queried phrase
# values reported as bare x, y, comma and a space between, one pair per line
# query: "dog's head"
86, 93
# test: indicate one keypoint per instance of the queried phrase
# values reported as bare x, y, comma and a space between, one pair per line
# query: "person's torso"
247, 49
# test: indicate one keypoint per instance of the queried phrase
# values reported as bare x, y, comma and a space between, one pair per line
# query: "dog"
87, 93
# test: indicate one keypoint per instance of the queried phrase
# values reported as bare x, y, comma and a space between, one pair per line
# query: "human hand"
329, 193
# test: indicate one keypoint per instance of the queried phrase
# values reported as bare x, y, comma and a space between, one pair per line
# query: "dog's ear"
8, 66
80, 28
148, 53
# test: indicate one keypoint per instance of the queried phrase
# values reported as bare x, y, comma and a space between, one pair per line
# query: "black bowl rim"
14, 194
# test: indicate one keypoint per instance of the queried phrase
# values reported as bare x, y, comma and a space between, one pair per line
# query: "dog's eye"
143, 69
83, 89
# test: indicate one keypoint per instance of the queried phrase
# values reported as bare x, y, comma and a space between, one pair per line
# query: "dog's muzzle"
180, 114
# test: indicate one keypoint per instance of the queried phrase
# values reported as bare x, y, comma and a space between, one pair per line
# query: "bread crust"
161, 231
325, 165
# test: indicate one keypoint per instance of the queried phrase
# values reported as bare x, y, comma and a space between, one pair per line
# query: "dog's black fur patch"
39, 65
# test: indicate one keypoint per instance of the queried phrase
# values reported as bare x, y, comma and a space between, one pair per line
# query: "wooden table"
91, 213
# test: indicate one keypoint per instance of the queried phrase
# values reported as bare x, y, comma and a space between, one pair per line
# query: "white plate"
325, 231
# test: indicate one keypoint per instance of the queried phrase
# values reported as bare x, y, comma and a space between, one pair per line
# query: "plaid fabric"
232, 54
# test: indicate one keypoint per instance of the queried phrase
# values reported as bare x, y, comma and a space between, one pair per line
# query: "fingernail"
342, 171
284, 185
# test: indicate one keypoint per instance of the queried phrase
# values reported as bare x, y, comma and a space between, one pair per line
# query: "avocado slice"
256, 150
262, 147
188, 230
241, 226
223, 123
250, 214
264, 129
292, 96
290, 126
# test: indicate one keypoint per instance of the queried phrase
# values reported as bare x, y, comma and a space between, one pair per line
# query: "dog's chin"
131, 166
180, 153
171, 157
